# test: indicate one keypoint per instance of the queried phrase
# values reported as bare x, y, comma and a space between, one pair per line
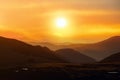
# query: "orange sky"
33, 20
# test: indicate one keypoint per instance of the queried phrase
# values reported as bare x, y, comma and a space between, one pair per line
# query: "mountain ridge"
15, 52
114, 58
73, 56
98, 51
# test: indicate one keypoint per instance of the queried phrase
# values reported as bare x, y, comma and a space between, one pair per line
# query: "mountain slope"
73, 56
13, 52
97, 51
102, 49
115, 58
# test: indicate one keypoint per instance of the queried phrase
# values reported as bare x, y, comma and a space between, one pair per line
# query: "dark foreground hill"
73, 56
14, 52
115, 58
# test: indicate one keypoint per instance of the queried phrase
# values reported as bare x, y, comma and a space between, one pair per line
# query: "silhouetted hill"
101, 49
113, 42
13, 52
73, 56
97, 51
115, 58
49, 45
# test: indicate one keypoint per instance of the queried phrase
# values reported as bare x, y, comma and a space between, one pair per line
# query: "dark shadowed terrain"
63, 72
22, 61
115, 58
14, 52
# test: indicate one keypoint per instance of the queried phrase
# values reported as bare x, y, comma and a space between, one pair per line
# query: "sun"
61, 27
61, 22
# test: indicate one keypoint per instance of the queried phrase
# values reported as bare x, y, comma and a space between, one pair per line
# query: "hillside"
97, 51
101, 49
14, 52
115, 58
73, 56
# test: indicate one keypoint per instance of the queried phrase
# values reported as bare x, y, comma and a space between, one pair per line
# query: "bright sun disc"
61, 22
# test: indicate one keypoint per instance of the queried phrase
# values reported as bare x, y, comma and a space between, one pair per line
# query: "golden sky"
34, 20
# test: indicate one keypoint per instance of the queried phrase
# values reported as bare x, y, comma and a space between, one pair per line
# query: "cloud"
88, 4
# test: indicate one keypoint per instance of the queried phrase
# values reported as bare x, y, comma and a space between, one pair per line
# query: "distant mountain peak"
111, 40
114, 38
68, 50
73, 56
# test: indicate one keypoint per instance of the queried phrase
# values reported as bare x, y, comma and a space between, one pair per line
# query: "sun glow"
61, 22
62, 27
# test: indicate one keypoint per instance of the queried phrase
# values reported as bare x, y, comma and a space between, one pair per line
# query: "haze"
88, 21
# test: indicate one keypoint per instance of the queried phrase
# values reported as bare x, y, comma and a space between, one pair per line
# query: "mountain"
101, 49
14, 52
115, 58
97, 51
52, 46
73, 56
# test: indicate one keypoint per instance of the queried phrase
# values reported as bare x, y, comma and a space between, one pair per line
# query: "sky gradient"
33, 20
